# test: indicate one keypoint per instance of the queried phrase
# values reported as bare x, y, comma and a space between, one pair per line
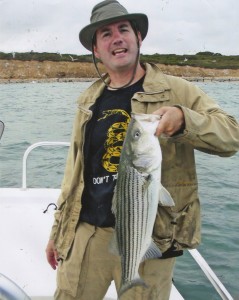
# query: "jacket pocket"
179, 225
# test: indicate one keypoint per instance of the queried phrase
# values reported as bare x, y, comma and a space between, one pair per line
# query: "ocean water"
35, 112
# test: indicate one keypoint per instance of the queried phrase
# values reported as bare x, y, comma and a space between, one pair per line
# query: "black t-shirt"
104, 138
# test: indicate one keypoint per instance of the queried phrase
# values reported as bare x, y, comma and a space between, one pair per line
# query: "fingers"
164, 128
51, 254
172, 120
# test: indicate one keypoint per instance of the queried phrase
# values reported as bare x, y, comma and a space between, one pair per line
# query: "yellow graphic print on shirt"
114, 142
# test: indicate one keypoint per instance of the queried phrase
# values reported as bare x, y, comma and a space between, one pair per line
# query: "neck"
121, 78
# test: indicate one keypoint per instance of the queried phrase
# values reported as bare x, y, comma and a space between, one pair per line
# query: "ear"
140, 39
96, 53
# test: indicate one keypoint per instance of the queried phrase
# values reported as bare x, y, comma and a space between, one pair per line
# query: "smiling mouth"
119, 51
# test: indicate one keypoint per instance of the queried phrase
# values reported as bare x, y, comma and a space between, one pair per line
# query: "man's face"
116, 46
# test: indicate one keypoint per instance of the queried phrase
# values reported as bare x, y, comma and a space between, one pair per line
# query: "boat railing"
27, 152
1, 129
9, 290
212, 277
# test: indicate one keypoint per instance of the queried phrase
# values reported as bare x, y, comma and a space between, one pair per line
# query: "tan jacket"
207, 128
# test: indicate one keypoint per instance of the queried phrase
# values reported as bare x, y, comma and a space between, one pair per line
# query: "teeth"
119, 51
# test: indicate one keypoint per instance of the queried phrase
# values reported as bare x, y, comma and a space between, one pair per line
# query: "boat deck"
25, 228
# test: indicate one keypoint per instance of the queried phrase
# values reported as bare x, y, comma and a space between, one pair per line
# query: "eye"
105, 34
124, 29
137, 135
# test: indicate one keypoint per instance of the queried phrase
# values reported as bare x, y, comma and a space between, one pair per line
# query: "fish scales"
135, 211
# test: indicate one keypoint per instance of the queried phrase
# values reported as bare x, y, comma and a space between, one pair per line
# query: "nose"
117, 41
117, 38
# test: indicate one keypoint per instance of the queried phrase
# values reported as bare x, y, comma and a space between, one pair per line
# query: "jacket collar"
154, 83
155, 80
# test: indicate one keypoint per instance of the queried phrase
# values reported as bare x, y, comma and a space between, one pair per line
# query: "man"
190, 120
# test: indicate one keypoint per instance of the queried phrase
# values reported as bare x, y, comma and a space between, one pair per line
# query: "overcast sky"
175, 26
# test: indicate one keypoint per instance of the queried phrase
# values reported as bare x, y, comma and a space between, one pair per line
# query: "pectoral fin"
165, 198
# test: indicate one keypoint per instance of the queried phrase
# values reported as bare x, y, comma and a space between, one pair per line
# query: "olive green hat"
107, 12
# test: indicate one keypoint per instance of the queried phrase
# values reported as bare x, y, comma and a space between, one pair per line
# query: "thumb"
159, 129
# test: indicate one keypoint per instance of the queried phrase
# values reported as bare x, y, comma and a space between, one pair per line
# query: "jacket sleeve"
207, 127
66, 184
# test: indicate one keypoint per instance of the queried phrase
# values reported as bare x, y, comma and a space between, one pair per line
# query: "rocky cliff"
20, 71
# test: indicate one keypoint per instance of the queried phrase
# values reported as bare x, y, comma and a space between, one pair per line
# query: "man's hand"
52, 254
172, 120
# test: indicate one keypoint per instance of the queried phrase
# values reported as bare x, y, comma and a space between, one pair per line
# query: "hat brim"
87, 33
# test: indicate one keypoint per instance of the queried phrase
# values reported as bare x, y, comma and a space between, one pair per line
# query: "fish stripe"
132, 210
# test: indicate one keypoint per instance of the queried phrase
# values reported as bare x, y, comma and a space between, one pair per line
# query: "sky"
175, 26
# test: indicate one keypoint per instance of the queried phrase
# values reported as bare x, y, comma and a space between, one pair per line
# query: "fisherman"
84, 223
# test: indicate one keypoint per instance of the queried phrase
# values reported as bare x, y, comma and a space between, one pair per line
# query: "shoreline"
16, 71
86, 79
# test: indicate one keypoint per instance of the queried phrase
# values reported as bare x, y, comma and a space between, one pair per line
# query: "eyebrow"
106, 27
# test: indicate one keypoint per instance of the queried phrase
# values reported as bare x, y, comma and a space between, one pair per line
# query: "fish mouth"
119, 51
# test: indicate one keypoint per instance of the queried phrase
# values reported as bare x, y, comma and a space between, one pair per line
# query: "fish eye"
137, 134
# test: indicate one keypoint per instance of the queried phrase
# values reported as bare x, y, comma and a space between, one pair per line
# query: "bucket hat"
107, 12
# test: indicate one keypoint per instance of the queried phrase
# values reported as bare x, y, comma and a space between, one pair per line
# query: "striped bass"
138, 192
